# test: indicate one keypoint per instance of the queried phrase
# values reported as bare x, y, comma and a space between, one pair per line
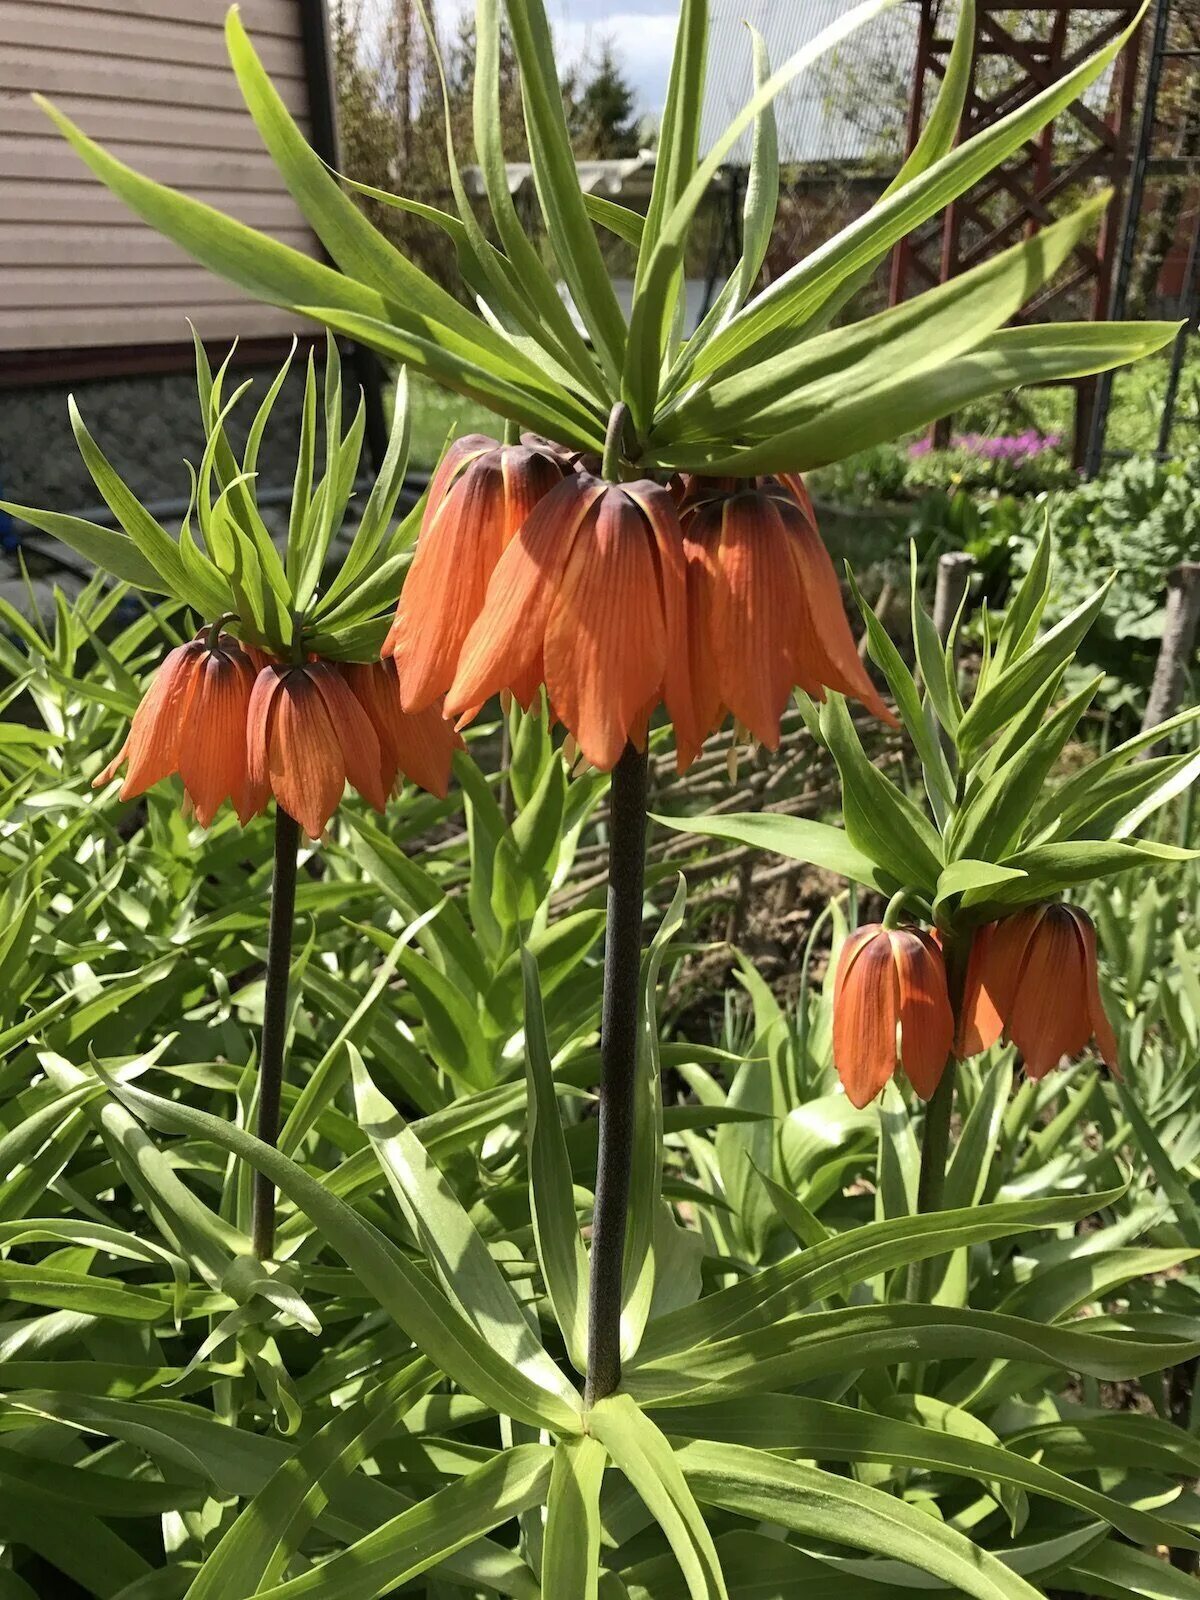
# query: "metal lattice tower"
1017, 55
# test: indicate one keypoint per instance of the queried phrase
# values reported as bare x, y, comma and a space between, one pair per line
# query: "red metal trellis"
1017, 55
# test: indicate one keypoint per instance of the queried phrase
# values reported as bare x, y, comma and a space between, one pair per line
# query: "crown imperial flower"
588, 599
307, 737
192, 720
1032, 978
764, 607
418, 745
891, 1009
479, 496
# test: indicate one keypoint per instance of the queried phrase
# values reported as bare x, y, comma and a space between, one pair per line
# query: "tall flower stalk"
618, 1065
275, 1019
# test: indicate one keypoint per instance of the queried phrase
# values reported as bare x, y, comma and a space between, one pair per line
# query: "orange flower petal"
606, 641
700, 548
426, 744
926, 1018
445, 587
1049, 1016
1102, 1028
825, 654
658, 508
154, 734
505, 643
212, 753
361, 759
865, 1016
997, 956
754, 614
304, 754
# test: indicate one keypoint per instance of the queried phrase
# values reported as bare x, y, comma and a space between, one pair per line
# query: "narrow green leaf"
417, 1306
818, 1504
647, 1460
797, 838
880, 820
571, 1553
106, 548
551, 1187
419, 1538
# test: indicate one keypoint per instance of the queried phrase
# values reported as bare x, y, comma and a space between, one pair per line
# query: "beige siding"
150, 80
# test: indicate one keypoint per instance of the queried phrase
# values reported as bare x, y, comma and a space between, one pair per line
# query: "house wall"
92, 301
149, 79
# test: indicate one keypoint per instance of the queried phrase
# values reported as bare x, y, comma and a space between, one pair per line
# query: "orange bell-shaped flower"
589, 599
479, 496
891, 1008
418, 745
1032, 977
307, 737
192, 720
765, 609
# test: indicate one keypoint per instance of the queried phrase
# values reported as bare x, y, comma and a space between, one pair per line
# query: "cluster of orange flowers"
239, 726
1030, 978
712, 597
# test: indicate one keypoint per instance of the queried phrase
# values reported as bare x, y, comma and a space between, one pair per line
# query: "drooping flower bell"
307, 737
589, 599
192, 720
765, 608
479, 496
891, 1008
418, 745
1032, 978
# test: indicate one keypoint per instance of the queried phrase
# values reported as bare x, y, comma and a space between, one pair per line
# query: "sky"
643, 32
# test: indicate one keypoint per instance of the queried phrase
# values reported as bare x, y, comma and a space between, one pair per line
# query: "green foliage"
998, 833
362, 1412
1139, 519
826, 1381
725, 400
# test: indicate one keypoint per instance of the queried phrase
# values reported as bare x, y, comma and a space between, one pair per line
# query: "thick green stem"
935, 1143
614, 439
275, 1019
618, 1068
935, 1136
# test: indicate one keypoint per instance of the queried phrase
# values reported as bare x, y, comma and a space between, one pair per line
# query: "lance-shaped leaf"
797, 838
880, 820
448, 1238
254, 1552
1006, 692
799, 1349
763, 326
574, 243
551, 1188
758, 209
652, 301
1040, 353
1050, 868
645, 1186
762, 1486
430, 1531
360, 249
835, 1265
647, 1460
817, 1429
904, 341
417, 1305
109, 549
571, 1552
995, 815
538, 303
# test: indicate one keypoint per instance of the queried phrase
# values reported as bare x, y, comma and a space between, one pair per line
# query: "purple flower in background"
1014, 448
